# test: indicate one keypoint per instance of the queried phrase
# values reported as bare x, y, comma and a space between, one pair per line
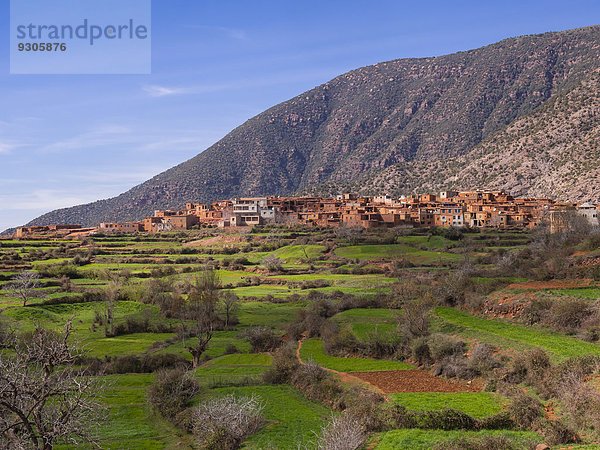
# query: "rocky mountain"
552, 152
505, 115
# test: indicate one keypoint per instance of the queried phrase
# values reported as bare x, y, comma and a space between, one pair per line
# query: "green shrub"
60, 270
262, 339
442, 346
525, 410
338, 342
284, 366
569, 315
498, 421
146, 363
364, 405
172, 391
381, 345
421, 352
316, 384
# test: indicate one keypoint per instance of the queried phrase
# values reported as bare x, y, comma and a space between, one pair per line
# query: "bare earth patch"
221, 239
553, 284
414, 380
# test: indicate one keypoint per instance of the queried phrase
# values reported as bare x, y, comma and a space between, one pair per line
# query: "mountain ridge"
415, 112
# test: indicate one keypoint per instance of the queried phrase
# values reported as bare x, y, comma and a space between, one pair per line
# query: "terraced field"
312, 350
323, 285
513, 336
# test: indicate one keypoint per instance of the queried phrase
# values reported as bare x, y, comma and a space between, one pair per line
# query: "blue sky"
72, 139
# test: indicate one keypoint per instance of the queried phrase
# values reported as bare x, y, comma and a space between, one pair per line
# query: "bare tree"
24, 285
43, 397
343, 433
272, 263
111, 294
223, 423
201, 310
231, 303
413, 321
350, 234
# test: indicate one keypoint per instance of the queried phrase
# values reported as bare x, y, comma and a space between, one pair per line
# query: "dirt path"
344, 376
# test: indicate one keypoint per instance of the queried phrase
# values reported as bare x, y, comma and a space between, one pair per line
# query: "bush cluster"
146, 363
262, 339
223, 423
171, 394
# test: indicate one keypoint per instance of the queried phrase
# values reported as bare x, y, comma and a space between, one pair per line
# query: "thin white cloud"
281, 78
163, 91
112, 138
6, 148
103, 136
118, 178
46, 200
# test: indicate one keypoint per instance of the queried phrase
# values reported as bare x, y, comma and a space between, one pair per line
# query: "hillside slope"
553, 151
367, 122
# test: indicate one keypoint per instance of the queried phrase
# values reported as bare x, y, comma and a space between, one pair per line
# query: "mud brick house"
126, 226
206, 214
51, 229
169, 223
246, 212
449, 215
425, 217
447, 195
590, 212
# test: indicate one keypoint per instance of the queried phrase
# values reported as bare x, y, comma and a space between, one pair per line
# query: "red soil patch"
550, 413
413, 380
553, 284
590, 262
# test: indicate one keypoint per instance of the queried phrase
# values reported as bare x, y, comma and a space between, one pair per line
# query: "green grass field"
312, 350
476, 404
293, 253
232, 368
132, 424
268, 314
430, 242
517, 337
375, 315
293, 420
367, 321
390, 251
414, 439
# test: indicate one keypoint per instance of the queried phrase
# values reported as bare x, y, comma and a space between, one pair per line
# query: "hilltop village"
479, 209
